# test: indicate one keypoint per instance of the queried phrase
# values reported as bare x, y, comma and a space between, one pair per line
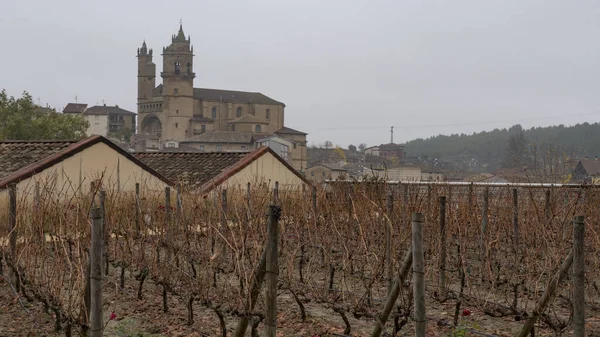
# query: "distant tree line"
539, 148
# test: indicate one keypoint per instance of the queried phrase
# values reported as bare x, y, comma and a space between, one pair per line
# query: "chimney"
586, 157
596, 158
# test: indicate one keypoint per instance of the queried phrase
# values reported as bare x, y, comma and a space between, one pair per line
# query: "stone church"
176, 116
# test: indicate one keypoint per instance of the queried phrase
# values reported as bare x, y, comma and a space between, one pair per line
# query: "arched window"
238, 112
177, 68
189, 68
214, 112
257, 128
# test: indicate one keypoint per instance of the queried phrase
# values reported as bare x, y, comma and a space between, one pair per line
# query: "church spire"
143, 50
180, 35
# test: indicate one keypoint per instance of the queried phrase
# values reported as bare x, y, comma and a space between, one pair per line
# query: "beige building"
322, 172
175, 112
205, 171
66, 168
104, 119
407, 173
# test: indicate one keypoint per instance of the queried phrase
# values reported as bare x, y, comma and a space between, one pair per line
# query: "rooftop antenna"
392, 134
75, 98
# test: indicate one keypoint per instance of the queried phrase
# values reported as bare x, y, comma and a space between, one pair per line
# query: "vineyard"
334, 260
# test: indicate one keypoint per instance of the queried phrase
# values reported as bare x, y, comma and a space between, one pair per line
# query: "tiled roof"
229, 96
107, 110
75, 108
15, 155
391, 146
591, 166
202, 119
20, 160
190, 168
226, 137
329, 167
250, 119
205, 170
289, 131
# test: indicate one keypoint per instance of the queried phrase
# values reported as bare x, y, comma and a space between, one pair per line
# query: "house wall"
373, 151
318, 174
98, 125
432, 176
397, 174
213, 147
297, 151
266, 169
118, 173
277, 145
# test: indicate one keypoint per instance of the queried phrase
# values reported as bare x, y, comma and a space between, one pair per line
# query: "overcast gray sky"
347, 70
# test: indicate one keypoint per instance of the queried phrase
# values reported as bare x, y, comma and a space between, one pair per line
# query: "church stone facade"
174, 114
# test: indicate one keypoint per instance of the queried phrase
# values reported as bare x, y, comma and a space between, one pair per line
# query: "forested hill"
492, 147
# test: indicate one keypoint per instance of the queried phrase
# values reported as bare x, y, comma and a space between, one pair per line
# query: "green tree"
516, 150
339, 154
124, 134
21, 119
362, 147
352, 148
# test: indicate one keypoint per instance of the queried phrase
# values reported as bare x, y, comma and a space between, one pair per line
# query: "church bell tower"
178, 86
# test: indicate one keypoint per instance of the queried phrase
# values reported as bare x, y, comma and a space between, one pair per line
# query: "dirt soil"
145, 317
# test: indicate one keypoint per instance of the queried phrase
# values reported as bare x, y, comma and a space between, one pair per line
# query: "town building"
203, 172
104, 120
388, 151
174, 113
586, 171
322, 172
67, 168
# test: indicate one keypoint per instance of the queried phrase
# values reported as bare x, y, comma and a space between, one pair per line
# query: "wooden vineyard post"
137, 210
248, 199
12, 227
36, 198
224, 227
276, 193
484, 225
516, 218
418, 274
178, 214
314, 198
96, 314
393, 296
442, 265
12, 221
102, 197
389, 225
272, 271
168, 222
578, 277
548, 205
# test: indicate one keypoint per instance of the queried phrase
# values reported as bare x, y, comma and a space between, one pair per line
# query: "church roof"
249, 119
202, 119
289, 131
226, 137
226, 96
75, 108
230, 96
107, 110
